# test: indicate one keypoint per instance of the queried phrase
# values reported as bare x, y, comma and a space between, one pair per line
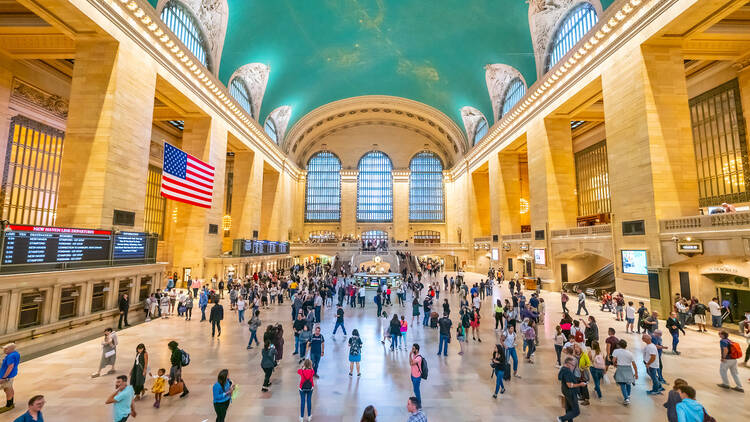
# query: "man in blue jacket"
203, 303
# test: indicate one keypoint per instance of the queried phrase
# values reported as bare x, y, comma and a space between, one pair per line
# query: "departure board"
41, 244
129, 245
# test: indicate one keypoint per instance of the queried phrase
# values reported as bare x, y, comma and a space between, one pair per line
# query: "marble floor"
459, 388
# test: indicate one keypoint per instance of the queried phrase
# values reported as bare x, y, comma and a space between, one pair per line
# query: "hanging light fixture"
226, 222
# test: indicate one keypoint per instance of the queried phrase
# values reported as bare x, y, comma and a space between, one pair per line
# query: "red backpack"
579, 336
735, 351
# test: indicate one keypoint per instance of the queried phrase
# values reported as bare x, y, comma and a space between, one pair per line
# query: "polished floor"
459, 388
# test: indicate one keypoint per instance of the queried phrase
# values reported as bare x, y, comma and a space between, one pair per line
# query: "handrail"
706, 222
602, 230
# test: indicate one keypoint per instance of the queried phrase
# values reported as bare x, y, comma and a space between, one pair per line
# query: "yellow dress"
160, 385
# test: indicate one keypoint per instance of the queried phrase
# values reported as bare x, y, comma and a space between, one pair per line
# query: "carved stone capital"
35, 97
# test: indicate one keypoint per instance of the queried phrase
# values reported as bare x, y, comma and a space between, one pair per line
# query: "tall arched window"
270, 128
579, 21
375, 188
238, 90
323, 189
184, 25
481, 130
516, 90
426, 188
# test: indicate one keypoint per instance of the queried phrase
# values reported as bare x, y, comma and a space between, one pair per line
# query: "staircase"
601, 280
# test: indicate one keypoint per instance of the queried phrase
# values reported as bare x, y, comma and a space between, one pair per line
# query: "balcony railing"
517, 236
735, 220
588, 231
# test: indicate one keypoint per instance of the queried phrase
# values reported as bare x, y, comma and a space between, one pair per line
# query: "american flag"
185, 178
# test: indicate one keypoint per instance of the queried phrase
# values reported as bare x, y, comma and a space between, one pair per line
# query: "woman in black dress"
138, 373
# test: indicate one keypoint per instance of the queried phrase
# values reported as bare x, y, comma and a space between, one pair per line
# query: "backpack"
424, 370
306, 385
185, 358
735, 351
579, 336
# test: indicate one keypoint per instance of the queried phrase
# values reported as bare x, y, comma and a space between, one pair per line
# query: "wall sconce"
226, 222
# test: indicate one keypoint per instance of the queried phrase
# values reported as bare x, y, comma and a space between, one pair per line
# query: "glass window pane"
182, 23
375, 188
426, 188
323, 188
578, 22
516, 90
238, 90
482, 128
592, 180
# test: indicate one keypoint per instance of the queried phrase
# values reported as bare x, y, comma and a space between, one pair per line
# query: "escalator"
602, 280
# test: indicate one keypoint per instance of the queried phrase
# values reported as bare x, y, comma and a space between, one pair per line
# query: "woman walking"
498, 367
306, 385
222, 389
267, 362
461, 337
498, 314
624, 376
509, 341
598, 366
403, 329
415, 309
355, 351
138, 372
475, 324
189, 306
559, 342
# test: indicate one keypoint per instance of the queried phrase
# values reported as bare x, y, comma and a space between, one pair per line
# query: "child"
404, 327
160, 386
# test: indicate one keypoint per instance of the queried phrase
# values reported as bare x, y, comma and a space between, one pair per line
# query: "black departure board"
40, 244
261, 247
129, 245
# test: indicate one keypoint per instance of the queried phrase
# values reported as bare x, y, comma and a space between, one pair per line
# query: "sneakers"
494, 396
724, 386
626, 401
740, 389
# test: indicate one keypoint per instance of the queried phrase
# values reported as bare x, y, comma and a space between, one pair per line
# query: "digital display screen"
41, 244
540, 257
262, 247
259, 247
634, 262
495, 254
130, 245
271, 247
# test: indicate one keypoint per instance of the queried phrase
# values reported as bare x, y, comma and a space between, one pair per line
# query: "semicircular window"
375, 188
270, 128
238, 90
323, 188
576, 24
426, 188
185, 26
516, 90
481, 130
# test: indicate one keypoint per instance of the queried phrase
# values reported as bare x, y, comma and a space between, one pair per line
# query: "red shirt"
304, 375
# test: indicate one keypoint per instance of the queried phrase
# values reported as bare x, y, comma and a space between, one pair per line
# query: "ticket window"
30, 312
145, 289
69, 297
99, 297
124, 288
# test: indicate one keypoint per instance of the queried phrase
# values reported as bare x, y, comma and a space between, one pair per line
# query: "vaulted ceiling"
327, 50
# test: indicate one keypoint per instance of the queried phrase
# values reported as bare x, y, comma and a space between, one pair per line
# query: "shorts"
700, 319
630, 320
355, 358
7, 383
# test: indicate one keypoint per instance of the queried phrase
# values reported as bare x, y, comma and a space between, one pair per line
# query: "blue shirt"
658, 342
13, 358
27, 418
221, 392
123, 400
316, 344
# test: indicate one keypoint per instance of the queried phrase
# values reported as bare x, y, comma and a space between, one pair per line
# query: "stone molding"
471, 117
33, 97
498, 77
280, 118
255, 76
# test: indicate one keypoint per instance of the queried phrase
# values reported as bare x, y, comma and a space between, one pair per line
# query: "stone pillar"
505, 194
205, 139
743, 79
6, 82
246, 194
105, 162
87, 295
349, 203
652, 172
268, 209
400, 205
54, 300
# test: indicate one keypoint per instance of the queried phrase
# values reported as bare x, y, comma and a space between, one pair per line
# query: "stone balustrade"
602, 230
517, 236
728, 221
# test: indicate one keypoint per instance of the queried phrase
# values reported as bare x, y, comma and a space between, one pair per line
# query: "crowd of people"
581, 355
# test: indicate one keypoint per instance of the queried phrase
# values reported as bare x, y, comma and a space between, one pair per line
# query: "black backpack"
307, 385
424, 370
185, 358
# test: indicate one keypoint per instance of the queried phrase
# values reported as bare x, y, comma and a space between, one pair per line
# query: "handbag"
176, 388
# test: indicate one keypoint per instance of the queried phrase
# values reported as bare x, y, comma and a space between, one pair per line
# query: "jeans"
241, 314
499, 380
215, 325
296, 344
403, 339
305, 396
571, 407
731, 366
188, 313
123, 316
443, 345
426, 320
510, 352
221, 410
582, 305
339, 324
656, 385
317, 314
558, 351
716, 321
394, 340
530, 348
253, 336
315, 357
597, 374
203, 313
415, 381
625, 388
675, 340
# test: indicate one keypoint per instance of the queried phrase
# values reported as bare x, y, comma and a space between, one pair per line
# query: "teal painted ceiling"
429, 51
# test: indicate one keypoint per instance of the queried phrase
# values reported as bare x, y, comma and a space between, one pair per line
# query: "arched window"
375, 188
323, 188
579, 21
184, 25
238, 90
516, 90
270, 128
426, 188
481, 130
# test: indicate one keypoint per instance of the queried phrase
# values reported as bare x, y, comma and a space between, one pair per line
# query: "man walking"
9, 370
123, 305
339, 321
715, 310
122, 400
651, 360
730, 352
414, 407
203, 303
317, 349
569, 387
581, 303
445, 334
217, 314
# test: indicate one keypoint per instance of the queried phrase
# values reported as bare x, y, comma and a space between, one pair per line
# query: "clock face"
377, 259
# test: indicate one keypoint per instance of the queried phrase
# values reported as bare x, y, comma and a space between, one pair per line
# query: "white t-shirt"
714, 308
624, 357
630, 312
240, 305
649, 350
477, 302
